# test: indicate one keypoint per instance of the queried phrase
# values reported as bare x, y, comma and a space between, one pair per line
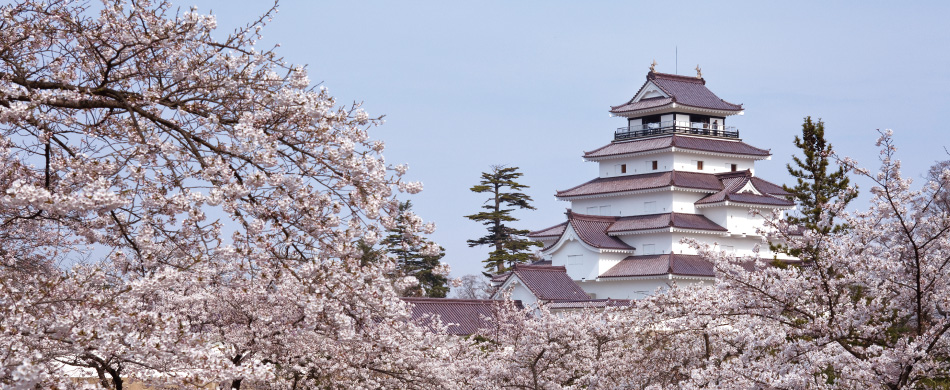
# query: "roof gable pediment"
648, 91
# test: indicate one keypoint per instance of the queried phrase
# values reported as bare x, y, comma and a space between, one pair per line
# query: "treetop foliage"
509, 245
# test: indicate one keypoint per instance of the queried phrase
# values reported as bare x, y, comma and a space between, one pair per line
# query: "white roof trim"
726, 203
673, 149
633, 192
666, 230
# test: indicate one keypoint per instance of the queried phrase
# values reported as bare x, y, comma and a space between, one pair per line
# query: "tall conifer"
510, 245
816, 187
408, 251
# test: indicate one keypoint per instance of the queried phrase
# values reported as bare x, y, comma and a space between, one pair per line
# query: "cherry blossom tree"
868, 310
182, 210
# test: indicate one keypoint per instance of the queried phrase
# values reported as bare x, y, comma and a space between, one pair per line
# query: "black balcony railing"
663, 128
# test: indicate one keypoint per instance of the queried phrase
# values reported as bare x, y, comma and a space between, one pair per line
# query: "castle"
674, 171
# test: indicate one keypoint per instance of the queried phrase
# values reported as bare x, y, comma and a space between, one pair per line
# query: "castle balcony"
675, 127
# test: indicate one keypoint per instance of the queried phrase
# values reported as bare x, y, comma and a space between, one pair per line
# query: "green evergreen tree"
510, 245
816, 187
407, 250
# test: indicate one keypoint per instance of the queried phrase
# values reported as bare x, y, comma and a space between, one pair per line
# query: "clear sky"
528, 84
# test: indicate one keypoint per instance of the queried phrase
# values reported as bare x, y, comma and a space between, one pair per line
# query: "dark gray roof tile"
549, 283
654, 265
716, 145
685, 90
607, 185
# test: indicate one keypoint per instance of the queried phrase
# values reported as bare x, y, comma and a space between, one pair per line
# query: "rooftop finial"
699, 72
653, 66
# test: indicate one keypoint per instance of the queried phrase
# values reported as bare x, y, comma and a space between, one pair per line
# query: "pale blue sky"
467, 85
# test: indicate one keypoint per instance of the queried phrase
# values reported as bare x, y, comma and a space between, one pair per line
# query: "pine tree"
816, 187
408, 251
510, 245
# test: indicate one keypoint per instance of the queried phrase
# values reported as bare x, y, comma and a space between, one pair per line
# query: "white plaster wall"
625, 205
711, 164
589, 267
682, 120
520, 292
741, 246
633, 288
719, 215
662, 242
637, 165
685, 202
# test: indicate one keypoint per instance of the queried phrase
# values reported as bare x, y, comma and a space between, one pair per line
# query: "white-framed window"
592, 210
604, 210
620, 169
575, 259
649, 207
649, 249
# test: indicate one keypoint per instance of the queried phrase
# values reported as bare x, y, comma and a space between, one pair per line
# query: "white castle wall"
626, 205
633, 288
668, 161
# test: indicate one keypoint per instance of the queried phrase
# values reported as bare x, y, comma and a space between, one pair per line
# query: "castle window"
699, 165
655, 164
735, 167
649, 249
575, 259
649, 207
623, 168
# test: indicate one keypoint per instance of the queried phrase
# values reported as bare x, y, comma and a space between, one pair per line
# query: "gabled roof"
592, 229
703, 144
654, 265
548, 283
683, 90
659, 221
551, 232
741, 187
466, 315
608, 185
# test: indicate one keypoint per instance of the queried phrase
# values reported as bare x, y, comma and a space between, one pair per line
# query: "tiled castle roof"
616, 184
704, 144
653, 265
592, 229
736, 189
598, 231
659, 221
684, 90
466, 316
549, 283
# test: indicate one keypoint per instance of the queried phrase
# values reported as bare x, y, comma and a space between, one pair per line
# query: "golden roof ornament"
699, 72
653, 66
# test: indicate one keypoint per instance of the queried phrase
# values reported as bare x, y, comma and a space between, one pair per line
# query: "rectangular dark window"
623, 168
699, 165
735, 167
655, 164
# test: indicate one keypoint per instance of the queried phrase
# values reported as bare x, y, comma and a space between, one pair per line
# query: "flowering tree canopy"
185, 209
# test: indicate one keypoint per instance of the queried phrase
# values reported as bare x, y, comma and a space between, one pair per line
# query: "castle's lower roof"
702, 144
618, 184
660, 221
741, 187
665, 264
547, 283
466, 316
